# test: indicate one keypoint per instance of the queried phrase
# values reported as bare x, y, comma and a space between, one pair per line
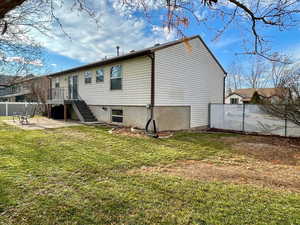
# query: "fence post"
209, 112
285, 121
243, 124
6, 108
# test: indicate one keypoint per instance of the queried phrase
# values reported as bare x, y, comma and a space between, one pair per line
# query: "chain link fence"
250, 118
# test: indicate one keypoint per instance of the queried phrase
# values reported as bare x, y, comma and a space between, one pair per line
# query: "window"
234, 101
117, 115
116, 78
99, 75
57, 82
88, 77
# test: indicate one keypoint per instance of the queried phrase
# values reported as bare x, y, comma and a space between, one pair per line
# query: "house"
28, 88
240, 96
3, 86
171, 84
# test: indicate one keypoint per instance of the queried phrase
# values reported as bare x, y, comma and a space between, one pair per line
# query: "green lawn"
79, 175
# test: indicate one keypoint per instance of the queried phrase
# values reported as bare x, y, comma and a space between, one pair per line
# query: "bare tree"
18, 50
39, 89
234, 79
280, 70
251, 18
19, 21
257, 76
287, 104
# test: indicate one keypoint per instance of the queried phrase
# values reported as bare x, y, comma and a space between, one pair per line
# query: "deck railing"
58, 94
62, 94
13, 90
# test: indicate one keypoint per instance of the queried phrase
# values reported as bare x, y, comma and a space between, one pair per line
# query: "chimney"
118, 50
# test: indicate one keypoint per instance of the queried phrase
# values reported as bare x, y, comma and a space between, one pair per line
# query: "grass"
78, 175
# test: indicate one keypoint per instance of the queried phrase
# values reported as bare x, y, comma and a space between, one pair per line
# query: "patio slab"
41, 123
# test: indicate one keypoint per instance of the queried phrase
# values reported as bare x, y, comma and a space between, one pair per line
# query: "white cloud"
293, 51
91, 43
22, 60
224, 42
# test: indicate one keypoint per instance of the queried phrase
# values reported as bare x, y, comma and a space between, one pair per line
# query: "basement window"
117, 115
99, 75
116, 78
88, 77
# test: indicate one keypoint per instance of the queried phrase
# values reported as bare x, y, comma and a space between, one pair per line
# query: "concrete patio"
40, 123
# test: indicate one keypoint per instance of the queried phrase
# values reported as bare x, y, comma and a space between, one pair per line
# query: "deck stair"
83, 111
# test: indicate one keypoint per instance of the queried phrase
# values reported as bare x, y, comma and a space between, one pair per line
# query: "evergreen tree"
256, 98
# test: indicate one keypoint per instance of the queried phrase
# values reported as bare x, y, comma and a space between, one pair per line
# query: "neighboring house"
6, 79
244, 96
25, 89
171, 83
3, 86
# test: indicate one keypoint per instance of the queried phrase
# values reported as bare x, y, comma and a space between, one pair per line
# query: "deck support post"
49, 107
65, 112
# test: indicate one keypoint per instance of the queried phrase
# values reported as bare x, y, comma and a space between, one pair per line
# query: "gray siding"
136, 84
188, 77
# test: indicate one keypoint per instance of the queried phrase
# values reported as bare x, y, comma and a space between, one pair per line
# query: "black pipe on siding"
154, 133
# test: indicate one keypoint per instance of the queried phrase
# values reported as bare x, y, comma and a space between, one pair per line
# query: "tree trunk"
8, 5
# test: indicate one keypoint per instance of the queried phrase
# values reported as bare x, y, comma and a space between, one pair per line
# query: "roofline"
233, 93
144, 52
214, 57
205, 45
103, 62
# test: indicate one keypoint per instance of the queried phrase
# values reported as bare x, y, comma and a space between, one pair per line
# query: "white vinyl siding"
136, 84
185, 77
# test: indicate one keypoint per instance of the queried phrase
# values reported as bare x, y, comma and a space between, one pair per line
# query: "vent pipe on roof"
118, 50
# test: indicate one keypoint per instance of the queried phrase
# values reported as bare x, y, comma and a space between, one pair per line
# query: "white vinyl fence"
13, 108
250, 118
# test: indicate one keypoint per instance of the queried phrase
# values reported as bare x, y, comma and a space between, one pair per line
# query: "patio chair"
28, 114
17, 115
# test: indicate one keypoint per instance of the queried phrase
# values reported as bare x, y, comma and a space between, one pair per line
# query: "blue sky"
92, 43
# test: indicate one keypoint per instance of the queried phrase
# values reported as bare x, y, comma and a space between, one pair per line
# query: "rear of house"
171, 83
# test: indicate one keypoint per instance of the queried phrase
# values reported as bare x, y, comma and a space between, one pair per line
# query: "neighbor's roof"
21, 79
247, 93
142, 52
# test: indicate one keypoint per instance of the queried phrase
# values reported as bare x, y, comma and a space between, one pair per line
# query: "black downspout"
154, 134
225, 75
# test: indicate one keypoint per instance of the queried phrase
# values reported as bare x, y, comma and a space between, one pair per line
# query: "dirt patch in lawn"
257, 174
74, 134
272, 149
134, 132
